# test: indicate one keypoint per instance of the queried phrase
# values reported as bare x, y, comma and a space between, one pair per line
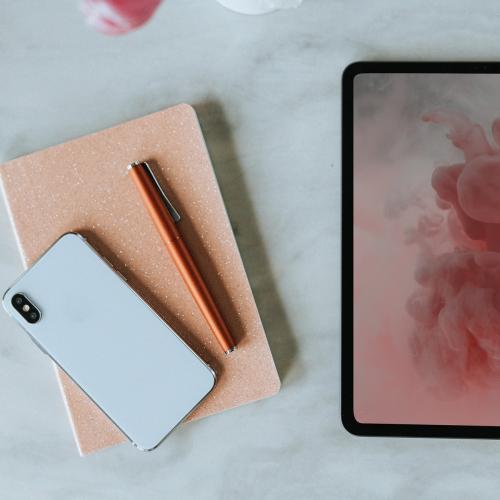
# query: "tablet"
421, 249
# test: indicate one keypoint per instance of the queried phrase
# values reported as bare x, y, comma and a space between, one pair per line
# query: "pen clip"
171, 209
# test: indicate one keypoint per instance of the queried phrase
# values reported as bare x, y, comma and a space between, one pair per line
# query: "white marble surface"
267, 92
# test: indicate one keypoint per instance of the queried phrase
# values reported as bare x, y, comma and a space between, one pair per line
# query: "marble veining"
267, 91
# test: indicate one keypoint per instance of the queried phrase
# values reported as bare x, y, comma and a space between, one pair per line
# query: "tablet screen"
426, 217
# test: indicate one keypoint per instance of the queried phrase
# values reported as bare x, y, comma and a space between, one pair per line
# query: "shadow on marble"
229, 173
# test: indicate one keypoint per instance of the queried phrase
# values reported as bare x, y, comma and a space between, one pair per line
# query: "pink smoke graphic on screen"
456, 308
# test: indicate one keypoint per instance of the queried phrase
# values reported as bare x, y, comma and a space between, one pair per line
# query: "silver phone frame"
125, 282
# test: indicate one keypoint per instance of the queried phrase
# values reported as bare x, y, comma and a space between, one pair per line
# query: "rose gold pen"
165, 217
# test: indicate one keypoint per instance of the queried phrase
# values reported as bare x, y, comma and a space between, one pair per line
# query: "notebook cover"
83, 186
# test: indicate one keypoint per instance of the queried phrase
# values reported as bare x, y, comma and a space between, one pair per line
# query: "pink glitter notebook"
82, 185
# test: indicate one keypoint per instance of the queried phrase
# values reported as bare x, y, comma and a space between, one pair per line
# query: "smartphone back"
110, 342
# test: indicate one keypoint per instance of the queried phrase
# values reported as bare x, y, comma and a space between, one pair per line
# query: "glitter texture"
82, 185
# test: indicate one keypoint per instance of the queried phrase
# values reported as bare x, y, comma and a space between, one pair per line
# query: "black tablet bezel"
347, 409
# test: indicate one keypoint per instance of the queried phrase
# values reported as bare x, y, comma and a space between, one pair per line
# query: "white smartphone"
85, 317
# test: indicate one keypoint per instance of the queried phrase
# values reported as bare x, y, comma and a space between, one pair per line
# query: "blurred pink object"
115, 17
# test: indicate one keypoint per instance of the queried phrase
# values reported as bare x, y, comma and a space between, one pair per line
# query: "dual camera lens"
25, 308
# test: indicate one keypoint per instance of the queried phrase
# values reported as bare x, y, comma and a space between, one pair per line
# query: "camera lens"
26, 308
33, 317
